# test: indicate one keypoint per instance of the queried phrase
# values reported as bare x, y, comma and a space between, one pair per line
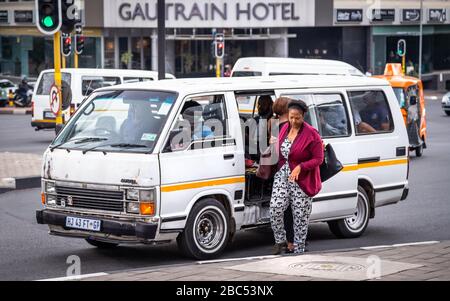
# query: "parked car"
446, 103
5, 87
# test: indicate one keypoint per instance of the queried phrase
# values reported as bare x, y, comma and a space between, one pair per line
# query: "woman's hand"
295, 173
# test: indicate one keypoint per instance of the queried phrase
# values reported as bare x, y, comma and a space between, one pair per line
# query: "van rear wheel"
355, 225
207, 230
419, 151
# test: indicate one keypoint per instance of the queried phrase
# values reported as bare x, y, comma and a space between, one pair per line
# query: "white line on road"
237, 259
401, 245
78, 277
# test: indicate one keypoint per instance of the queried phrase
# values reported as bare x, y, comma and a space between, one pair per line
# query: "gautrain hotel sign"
210, 13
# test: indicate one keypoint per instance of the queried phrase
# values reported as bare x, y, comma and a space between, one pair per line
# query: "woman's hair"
280, 107
298, 105
265, 103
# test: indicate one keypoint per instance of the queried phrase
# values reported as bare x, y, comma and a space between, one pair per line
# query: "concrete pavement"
19, 171
417, 261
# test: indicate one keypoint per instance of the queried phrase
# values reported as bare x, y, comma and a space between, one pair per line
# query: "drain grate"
329, 266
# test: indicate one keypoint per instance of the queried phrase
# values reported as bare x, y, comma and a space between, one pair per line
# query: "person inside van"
193, 112
137, 123
375, 114
297, 180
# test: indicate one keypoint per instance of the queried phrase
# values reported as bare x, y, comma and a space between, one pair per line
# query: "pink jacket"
306, 151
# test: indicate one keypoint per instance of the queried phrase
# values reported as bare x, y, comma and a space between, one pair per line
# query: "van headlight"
142, 195
51, 200
132, 194
133, 207
50, 187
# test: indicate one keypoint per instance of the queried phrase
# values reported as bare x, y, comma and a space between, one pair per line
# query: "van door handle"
368, 160
228, 157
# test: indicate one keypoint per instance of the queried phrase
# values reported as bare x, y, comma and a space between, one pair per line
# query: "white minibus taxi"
156, 162
82, 82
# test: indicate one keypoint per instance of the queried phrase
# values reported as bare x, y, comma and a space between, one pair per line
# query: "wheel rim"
358, 220
209, 229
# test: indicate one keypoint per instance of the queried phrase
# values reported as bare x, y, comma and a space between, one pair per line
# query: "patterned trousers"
284, 195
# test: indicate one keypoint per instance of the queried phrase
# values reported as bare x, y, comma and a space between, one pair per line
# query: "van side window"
332, 116
136, 79
201, 122
371, 112
90, 83
48, 79
310, 116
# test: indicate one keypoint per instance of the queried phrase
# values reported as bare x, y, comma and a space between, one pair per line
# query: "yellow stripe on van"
245, 111
375, 164
200, 184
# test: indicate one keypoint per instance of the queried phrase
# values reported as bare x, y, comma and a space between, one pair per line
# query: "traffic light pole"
218, 67
75, 59
58, 76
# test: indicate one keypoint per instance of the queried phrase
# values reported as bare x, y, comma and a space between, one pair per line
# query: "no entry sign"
55, 99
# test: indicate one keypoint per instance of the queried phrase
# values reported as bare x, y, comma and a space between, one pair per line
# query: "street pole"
161, 39
75, 59
58, 77
218, 67
420, 40
63, 62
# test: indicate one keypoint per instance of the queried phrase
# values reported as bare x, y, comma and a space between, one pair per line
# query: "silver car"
5, 87
446, 103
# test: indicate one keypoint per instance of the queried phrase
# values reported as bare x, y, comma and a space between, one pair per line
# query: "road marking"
401, 245
237, 259
78, 277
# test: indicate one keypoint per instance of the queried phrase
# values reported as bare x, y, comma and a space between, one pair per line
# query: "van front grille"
108, 200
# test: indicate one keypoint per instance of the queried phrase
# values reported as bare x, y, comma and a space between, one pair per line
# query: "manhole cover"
329, 266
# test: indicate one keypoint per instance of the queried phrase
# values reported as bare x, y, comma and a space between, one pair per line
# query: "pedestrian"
298, 177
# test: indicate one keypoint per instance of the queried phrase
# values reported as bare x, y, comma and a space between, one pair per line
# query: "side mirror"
412, 100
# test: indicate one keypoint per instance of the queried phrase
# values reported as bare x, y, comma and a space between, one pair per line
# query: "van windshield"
400, 93
124, 121
246, 73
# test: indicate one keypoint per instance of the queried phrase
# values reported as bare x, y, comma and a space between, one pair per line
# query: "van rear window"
48, 79
90, 83
246, 73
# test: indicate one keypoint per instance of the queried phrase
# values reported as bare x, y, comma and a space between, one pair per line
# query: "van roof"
206, 85
110, 72
292, 65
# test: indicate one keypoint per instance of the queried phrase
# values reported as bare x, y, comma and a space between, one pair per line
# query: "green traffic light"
48, 21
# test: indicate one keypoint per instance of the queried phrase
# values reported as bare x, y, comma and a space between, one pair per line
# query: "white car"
446, 103
5, 86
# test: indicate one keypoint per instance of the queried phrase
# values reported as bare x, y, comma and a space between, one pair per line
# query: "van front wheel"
207, 230
355, 225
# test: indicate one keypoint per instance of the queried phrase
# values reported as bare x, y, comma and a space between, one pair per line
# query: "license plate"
49, 115
83, 223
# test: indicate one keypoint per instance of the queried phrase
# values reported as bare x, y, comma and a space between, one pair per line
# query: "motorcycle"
21, 100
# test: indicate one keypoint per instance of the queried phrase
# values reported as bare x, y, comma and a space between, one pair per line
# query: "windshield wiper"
120, 145
78, 141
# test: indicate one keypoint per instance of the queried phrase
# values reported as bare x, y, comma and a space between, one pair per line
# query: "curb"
15, 112
9, 184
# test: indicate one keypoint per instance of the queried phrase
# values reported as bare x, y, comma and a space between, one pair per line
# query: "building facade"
122, 34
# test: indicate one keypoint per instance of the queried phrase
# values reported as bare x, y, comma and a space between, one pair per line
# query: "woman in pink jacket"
298, 177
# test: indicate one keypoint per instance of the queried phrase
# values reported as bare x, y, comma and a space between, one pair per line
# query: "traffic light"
69, 13
66, 44
219, 46
401, 47
79, 39
48, 19
79, 44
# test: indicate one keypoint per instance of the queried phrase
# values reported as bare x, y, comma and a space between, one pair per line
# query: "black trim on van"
389, 188
368, 160
173, 219
335, 197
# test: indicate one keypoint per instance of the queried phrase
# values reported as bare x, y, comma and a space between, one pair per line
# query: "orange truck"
409, 92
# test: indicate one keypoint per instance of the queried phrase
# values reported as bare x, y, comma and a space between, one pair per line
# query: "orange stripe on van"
375, 164
200, 184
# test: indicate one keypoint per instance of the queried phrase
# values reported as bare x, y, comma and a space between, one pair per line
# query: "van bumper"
405, 193
43, 124
118, 228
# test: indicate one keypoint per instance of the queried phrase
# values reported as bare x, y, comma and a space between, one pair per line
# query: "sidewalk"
15, 111
425, 261
19, 171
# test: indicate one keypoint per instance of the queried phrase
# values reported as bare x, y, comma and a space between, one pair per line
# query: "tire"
101, 244
419, 151
447, 112
354, 226
207, 230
